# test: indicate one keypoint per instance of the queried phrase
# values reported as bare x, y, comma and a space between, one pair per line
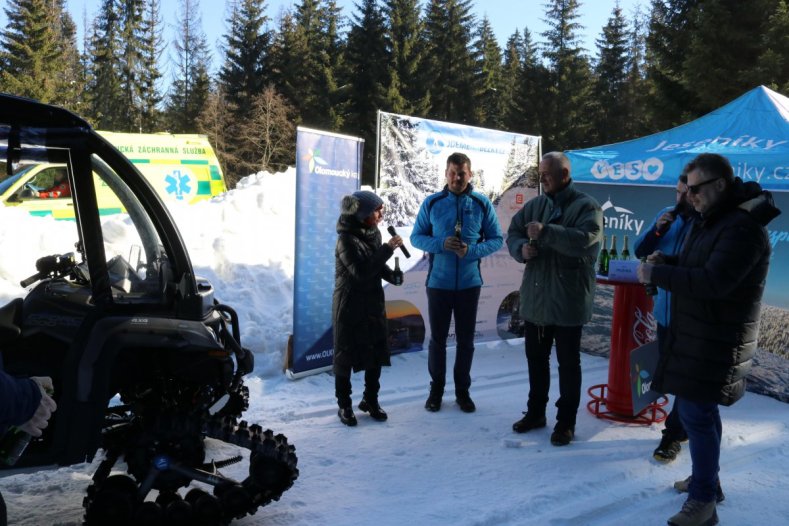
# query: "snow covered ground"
419, 468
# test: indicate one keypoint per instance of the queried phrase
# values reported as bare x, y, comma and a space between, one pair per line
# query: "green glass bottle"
14, 442
612, 253
625, 251
602, 260
397, 274
649, 288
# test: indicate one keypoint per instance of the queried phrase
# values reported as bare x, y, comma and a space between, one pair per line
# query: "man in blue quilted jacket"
24, 403
457, 227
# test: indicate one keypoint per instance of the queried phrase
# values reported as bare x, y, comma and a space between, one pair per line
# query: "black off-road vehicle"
146, 363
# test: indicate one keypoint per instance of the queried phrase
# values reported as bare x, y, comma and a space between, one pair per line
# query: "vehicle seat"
10, 319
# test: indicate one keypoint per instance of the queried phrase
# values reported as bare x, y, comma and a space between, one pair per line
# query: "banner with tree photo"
411, 164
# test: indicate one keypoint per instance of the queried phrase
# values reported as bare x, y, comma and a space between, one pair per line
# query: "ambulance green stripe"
170, 161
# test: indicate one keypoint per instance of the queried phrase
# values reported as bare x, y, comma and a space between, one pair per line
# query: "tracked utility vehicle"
146, 363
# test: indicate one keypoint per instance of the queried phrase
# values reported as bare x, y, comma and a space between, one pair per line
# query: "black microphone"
393, 233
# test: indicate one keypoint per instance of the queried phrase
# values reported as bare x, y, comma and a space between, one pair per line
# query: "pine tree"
246, 68
611, 72
244, 73
121, 75
190, 86
151, 49
104, 87
773, 64
488, 73
510, 72
448, 71
531, 95
670, 28
130, 61
332, 53
406, 89
635, 95
367, 56
307, 60
720, 60
38, 52
569, 104
71, 69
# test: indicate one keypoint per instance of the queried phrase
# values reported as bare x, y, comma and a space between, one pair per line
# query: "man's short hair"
459, 159
558, 160
712, 165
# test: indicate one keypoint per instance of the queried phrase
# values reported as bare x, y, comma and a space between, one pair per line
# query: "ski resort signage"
327, 168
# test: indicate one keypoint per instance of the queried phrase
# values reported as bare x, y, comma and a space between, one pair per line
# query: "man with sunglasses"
666, 234
716, 284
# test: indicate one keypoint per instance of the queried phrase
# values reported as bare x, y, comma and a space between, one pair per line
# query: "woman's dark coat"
716, 289
358, 305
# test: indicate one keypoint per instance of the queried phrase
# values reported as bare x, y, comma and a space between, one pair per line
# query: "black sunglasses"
696, 188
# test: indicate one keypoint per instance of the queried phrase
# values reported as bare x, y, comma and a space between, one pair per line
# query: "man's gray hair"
558, 160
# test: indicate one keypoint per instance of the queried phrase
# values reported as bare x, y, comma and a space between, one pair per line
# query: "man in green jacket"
557, 235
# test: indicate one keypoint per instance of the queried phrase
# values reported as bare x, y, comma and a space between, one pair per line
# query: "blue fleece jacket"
669, 243
480, 230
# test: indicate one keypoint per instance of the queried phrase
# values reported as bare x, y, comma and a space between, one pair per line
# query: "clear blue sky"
505, 16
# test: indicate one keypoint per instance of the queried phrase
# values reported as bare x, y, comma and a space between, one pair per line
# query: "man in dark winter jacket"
23, 403
716, 285
457, 227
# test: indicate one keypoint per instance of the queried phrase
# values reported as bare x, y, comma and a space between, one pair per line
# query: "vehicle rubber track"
120, 500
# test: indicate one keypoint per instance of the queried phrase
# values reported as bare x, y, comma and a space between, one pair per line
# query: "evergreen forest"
668, 62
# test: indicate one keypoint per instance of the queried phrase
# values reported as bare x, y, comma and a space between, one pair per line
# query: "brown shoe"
695, 513
562, 435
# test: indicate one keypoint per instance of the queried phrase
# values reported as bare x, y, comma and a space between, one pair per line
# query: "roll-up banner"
328, 167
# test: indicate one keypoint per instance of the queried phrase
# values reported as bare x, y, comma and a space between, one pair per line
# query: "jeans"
673, 424
702, 421
539, 340
674, 429
441, 305
342, 386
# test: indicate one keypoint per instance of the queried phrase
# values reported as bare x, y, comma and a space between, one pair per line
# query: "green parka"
558, 285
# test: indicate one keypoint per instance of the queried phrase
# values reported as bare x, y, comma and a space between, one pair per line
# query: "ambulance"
181, 168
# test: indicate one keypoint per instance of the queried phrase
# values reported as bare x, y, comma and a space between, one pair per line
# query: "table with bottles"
632, 325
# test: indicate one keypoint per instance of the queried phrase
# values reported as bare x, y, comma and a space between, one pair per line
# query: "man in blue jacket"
666, 234
23, 403
457, 227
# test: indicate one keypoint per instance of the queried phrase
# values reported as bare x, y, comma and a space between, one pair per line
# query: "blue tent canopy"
752, 131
